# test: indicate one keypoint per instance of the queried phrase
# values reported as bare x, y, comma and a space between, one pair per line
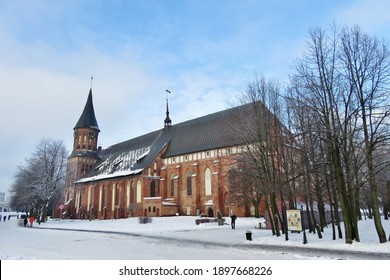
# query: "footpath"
181, 241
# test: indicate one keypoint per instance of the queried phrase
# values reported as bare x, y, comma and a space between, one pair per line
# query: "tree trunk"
387, 210
275, 213
331, 208
270, 217
336, 211
375, 205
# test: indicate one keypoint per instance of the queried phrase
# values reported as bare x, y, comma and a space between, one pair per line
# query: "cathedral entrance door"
210, 212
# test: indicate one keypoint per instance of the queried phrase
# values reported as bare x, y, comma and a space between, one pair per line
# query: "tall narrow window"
77, 201
207, 181
189, 182
128, 194
139, 195
153, 188
132, 193
104, 196
117, 196
172, 185
155, 169
89, 197
100, 197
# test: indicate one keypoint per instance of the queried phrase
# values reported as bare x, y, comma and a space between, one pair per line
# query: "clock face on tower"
91, 134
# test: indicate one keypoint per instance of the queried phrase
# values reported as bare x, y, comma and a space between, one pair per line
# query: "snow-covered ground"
171, 238
105, 249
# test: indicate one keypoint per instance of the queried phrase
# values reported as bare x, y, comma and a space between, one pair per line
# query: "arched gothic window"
139, 195
153, 188
132, 193
189, 182
117, 202
172, 184
128, 194
104, 197
207, 181
155, 169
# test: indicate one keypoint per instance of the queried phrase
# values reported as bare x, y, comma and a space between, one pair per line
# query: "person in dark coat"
25, 221
233, 221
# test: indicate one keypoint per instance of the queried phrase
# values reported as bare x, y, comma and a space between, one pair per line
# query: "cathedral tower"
86, 131
85, 150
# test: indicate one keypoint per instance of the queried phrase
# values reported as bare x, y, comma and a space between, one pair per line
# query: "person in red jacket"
32, 219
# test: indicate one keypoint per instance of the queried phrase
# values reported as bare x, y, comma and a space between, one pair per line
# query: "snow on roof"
107, 176
117, 164
123, 161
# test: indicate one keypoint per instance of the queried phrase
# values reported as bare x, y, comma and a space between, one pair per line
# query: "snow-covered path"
103, 249
175, 238
231, 251
46, 244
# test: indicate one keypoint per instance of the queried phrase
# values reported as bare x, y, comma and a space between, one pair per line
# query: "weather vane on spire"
91, 80
167, 91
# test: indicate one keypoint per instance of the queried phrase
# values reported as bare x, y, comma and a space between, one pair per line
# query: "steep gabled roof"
87, 118
201, 134
204, 133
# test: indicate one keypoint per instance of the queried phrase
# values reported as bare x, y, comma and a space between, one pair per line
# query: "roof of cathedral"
201, 134
204, 133
124, 159
87, 118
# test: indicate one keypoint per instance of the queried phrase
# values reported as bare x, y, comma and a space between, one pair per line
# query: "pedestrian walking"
25, 221
32, 219
233, 221
5, 217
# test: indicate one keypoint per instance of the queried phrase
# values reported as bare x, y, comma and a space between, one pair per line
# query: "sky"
203, 51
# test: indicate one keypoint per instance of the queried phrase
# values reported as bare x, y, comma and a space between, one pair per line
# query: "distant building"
178, 170
4, 204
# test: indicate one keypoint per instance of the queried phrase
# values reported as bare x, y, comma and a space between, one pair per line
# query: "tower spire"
167, 121
87, 118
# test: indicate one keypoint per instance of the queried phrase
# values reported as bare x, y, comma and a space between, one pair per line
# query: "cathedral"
180, 169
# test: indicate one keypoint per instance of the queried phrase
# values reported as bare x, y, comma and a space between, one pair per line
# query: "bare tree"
264, 160
321, 90
339, 92
366, 62
40, 181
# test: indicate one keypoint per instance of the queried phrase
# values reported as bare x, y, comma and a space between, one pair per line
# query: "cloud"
44, 90
203, 52
373, 15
